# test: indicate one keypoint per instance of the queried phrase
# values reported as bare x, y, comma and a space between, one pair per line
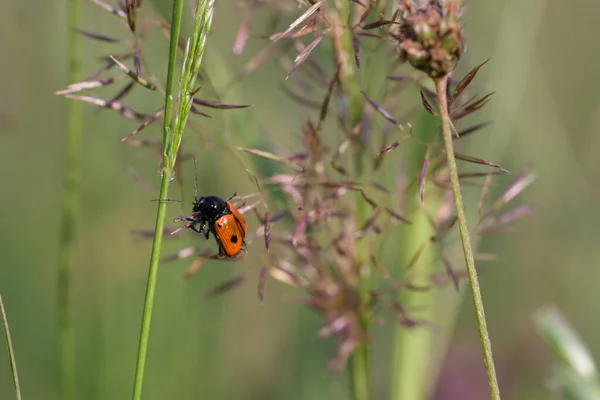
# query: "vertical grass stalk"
69, 212
162, 206
413, 346
441, 86
360, 373
359, 360
11, 351
171, 142
349, 78
150, 289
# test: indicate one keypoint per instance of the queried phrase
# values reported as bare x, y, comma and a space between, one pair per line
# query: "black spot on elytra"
234, 239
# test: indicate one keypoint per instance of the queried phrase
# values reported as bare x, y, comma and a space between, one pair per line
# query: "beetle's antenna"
196, 181
167, 200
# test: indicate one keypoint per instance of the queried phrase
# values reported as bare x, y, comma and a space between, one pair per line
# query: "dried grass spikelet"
430, 37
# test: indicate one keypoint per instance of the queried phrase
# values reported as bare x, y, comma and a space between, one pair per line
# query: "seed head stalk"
171, 142
441, 85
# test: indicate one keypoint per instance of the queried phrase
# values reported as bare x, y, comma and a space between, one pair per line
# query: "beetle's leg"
192, 223
222, 252
204, 231
193, 227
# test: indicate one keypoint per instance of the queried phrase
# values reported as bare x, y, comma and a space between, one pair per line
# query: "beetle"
222, 219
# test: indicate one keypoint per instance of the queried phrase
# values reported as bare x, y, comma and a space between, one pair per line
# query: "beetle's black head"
211, 207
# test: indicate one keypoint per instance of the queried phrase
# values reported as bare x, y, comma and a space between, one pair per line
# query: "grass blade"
577, 374
11, 351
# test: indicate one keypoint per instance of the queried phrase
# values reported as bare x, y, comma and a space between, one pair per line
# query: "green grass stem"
150, 289
360, 372
413, 346
69, 212
171, 142
349, 77
162, 205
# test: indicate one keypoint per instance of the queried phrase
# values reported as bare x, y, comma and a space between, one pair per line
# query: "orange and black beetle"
223, 220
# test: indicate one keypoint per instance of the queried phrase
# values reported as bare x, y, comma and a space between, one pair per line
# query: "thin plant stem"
359, 360
11, 351
441, 85
150, 288
69, 212
162, 205
171, 142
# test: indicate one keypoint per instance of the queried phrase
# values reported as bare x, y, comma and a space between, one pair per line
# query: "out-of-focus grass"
232, 346
576, 374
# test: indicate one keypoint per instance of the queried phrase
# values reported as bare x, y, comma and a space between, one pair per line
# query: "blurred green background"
546, 111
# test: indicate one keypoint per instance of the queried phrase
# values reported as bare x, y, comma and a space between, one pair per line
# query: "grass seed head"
430, 37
